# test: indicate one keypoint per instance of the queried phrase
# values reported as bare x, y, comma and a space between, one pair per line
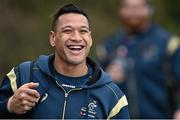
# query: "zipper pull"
66, 95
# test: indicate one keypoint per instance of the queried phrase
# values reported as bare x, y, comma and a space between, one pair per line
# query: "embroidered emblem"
90, 110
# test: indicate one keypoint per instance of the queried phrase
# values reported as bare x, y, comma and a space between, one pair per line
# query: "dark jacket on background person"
99, 98
146, 52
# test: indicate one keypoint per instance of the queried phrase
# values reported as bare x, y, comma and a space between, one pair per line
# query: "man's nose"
76, 36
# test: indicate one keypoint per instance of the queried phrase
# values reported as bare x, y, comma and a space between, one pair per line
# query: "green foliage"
25, 25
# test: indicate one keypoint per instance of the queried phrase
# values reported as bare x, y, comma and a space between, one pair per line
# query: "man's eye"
67, 31
84, 31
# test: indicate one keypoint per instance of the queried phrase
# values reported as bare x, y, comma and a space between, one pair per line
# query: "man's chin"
75, 61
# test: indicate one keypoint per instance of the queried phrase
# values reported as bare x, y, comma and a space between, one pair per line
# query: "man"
66, 85
145, 47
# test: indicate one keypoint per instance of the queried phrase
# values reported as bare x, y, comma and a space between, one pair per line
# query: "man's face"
134, 13
72, 38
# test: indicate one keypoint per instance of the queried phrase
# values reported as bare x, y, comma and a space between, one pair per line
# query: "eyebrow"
85, 27
71, 27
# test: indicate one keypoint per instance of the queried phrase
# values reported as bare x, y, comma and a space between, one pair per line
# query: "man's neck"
68, 69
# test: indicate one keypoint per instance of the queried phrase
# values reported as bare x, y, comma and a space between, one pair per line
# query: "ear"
90, 37
52, 38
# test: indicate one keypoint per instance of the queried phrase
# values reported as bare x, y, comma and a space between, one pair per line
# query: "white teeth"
75, 47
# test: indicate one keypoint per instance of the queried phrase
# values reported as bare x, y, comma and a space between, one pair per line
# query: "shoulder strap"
25, 76
172, 45
25, 72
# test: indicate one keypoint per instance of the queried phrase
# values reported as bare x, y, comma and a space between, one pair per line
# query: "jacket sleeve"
7, 89
118, 103
120, 110
176, 71
173, 49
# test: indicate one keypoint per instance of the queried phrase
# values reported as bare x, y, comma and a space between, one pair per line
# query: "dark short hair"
69, 8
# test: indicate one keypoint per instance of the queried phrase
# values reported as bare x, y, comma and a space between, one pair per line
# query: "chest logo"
90, 110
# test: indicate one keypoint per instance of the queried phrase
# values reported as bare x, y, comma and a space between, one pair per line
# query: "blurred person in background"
66, 84
144, 60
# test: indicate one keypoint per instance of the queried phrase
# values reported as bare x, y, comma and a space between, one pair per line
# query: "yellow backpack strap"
172, 45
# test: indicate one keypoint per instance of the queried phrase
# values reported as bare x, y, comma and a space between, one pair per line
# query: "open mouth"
75, 47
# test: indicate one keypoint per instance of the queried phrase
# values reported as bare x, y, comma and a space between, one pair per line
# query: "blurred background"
25, 24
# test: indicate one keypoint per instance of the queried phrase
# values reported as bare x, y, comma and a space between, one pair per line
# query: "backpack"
25, 70
26, 75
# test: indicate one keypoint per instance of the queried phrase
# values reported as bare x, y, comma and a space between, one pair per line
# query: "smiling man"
65, 85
